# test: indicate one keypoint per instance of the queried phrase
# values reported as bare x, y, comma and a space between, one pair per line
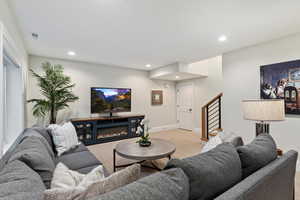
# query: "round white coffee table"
131, 150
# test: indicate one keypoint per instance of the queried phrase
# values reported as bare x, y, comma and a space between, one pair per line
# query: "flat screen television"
110, 100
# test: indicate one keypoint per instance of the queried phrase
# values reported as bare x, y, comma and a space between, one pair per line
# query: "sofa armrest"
275, 181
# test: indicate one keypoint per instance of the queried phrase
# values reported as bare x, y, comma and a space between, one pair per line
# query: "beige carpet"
187, 144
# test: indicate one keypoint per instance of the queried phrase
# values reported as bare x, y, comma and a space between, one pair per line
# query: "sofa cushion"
237, 141
32, 152
19, 182
88, 169
47, 135
79, 160
171, 184
257, 154
37, 132
211, 173
79, 148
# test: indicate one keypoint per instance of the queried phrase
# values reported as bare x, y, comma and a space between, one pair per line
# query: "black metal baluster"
207, 130
220, 125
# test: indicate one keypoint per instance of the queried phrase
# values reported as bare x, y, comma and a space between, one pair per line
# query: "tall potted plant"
56, 89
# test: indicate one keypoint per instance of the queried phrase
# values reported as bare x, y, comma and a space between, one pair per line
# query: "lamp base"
265, 128
262, 128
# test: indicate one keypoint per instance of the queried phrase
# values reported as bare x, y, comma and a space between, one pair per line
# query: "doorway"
185, 105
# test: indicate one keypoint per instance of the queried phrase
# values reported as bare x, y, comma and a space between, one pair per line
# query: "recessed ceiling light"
177, 77
222, 38
148, 65
71, 53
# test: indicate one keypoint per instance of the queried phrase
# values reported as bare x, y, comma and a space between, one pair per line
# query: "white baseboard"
170, 127
163, 128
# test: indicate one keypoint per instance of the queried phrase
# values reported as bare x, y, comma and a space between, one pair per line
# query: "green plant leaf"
56, 88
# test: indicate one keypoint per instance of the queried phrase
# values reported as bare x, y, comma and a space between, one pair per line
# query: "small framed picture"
157, 97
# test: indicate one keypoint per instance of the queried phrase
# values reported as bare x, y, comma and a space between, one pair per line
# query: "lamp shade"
263, 110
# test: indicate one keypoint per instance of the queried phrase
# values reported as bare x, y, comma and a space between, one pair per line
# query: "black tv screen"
109, 100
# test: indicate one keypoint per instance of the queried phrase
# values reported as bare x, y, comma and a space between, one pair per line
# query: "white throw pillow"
212, 143
114, 181
76, 193
63, 177
64, 137
95, 175
227, 136
90, 188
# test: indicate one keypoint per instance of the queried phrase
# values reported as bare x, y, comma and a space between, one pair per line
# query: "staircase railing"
211, 117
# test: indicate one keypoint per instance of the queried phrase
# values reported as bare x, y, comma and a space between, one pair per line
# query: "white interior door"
185, 97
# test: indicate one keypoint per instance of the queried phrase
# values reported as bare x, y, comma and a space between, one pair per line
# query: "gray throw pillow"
171, 184
47, 135
257, 154
33, 132
237, 141
32, 152
19, 182
211, 173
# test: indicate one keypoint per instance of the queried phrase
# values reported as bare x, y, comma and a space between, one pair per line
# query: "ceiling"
133, 33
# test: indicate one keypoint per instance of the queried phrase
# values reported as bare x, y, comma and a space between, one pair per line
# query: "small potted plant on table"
144, 140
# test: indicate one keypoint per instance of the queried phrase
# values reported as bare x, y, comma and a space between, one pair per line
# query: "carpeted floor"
187, 144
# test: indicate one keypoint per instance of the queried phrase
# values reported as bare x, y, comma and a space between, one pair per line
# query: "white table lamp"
263, 111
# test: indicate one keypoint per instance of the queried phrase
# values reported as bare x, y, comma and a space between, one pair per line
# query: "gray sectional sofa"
33, 159
227, 172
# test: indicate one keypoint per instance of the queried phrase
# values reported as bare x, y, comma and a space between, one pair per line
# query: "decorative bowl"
145, 144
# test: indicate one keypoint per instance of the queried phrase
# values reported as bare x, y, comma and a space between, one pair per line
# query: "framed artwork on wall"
156, 97
282, 81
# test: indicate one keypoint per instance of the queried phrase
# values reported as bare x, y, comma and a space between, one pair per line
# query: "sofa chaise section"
79, 158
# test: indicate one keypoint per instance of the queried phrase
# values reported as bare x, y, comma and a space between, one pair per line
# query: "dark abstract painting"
282, 81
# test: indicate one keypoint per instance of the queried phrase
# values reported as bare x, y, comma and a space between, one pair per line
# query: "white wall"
9, 22
87, 75
11, 39
241, 78
206, 88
